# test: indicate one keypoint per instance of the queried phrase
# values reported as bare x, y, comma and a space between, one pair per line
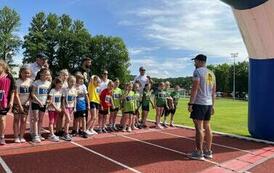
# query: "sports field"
230, 116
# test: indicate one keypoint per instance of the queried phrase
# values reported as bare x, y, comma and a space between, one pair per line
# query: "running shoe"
66, 137
53, 138
17, 140
2, 141
36, 139
208, 154
197, 155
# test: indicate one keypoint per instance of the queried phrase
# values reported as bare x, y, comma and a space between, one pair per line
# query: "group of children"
67, 99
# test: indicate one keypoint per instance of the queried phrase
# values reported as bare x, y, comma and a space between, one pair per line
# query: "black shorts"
130, 112
172, 111
145, 107
80, 114
35, 107
201, 112
114, 110
103, 112
94, 105
4, 111
166, 111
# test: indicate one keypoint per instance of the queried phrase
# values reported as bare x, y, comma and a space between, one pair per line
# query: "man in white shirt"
41, 62
142, 78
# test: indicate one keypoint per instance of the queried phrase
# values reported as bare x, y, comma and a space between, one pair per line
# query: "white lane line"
107, 158
257, 163
5, 166
219, 145
165, 148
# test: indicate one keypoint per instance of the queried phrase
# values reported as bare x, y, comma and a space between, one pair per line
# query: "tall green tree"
9, 41
35, 41
65, 41
110, 53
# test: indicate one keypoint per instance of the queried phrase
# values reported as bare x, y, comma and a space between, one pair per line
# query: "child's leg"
122, 120
105, 120
111, 116
100, 121
145, 113
16, 121
125, 121
40, 122
23, 119
51, 122
59, 123
93, 118
34, 122
114, 118
159, 111
84, 123
2, 125
67, 120
130, 121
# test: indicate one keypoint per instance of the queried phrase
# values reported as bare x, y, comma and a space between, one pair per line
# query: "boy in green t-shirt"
146, 100
137, 99
175, 97
169, 104
128, 107
116, 97
160, 100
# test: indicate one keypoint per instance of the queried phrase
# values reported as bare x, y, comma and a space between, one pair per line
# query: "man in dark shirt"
85, 69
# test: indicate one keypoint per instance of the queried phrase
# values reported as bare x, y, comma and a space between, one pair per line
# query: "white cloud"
141, 50
163, 68
204, 26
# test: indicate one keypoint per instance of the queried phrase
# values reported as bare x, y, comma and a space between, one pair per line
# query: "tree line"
65, 41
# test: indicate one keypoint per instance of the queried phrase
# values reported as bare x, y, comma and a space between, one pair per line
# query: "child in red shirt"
106, 104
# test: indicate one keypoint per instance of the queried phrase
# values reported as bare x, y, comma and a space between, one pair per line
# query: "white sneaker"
134, 128
22, 140
158, 126
129, 129
36, 139
89, 133
17, 140
53, 138
2, 141
93, 132
41, 138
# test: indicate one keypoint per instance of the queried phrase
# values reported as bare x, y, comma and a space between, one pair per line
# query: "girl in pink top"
7, 89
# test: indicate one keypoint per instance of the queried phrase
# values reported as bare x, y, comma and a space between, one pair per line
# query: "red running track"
147, 151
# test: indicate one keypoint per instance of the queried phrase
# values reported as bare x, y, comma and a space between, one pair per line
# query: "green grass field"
230, 116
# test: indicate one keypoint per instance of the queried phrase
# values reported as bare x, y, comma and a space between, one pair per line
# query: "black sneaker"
208, 154
66, 137
104, 130
84, 135
73, 133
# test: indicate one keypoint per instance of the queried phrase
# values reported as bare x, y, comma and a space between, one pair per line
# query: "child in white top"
21, 106
63, 75
69, 105
54, 108
39, 95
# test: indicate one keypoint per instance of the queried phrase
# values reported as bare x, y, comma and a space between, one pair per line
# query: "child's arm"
17, 99
88, 104
33, 96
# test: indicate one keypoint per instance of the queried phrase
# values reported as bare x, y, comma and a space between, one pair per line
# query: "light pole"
234, 55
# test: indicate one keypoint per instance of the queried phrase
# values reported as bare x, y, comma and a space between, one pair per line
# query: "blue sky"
161, 35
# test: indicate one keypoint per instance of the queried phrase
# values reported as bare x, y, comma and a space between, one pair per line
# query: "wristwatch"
190, 104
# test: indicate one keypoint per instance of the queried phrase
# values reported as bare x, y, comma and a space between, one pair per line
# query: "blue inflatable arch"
255, 19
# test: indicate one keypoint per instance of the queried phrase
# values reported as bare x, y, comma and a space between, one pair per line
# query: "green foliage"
183, 82
66, 41
230, 116
224, 76
110, 53
9, 41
